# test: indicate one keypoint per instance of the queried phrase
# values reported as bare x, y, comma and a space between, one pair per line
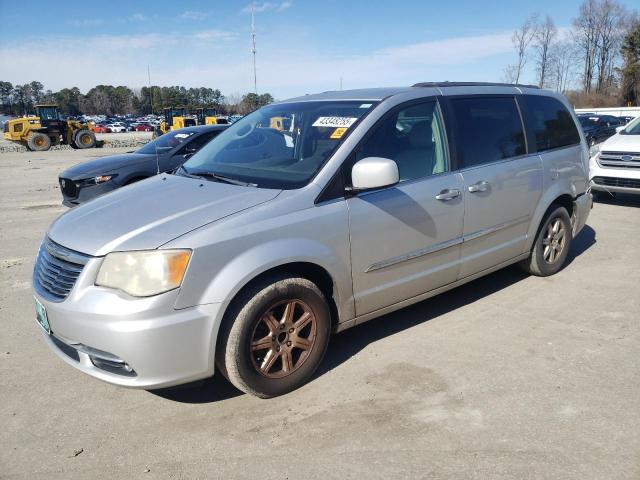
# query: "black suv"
597, 128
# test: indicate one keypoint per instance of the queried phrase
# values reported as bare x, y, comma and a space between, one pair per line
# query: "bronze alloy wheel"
283, 338
554, 241
39, 141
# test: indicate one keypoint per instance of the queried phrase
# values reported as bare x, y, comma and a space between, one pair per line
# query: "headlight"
144, 273
103, 178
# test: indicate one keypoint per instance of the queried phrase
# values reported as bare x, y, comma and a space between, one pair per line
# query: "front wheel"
276, 336
552, 244
84, 139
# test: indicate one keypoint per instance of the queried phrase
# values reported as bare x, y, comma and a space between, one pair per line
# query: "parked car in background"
91, 179
144, 127
117, 127
626, 118
598, 128
102, 129
305, 217
615, 164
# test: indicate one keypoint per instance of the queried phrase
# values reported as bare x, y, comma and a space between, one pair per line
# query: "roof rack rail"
472, 84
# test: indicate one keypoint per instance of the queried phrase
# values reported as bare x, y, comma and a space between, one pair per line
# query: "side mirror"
620, 128
188, 155
374, 172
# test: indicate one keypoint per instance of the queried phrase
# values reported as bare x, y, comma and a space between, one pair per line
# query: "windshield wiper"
218, 177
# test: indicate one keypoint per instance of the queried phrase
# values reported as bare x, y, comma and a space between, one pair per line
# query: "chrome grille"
619, 159
56, 271
68, 187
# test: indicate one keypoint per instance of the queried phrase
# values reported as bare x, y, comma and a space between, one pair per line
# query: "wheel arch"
558, 195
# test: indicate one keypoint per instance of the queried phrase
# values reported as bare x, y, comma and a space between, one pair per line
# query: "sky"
303, 46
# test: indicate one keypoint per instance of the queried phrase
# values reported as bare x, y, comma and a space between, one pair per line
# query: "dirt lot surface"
507, 377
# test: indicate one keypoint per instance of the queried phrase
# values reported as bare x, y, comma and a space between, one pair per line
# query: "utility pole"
253, 50
150, 90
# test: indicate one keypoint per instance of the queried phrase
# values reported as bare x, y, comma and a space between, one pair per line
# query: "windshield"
587, 121
280, 145
633, 128
166, 142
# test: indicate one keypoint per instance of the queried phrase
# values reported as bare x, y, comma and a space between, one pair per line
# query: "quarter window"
489, 129
551, 122
414, 138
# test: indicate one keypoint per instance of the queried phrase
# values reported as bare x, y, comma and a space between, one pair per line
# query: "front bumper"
616, 180
161, 345
89, 192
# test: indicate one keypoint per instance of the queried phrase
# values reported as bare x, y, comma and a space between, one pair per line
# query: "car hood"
150, 213
622, 143
100, 166
589, 129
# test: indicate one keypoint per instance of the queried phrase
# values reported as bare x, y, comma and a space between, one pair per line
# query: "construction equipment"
174, 118
39, 132
209, 116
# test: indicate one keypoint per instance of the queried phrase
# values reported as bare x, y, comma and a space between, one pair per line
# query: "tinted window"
413, 137
551, 123
489, 129
199, 142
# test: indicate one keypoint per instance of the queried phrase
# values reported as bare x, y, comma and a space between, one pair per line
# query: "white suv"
615, 164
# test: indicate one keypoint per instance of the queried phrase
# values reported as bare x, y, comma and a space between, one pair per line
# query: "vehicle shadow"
347, 344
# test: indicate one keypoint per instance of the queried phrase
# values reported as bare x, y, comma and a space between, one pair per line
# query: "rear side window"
489, 129
551, 122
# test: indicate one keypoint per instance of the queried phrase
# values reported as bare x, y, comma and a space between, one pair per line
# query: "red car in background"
102, 129
144, 127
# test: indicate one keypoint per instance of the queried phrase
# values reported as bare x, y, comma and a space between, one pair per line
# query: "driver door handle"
478, 187
448, 194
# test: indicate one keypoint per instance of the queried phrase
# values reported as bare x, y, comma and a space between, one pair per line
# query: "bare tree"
521, 40
609, 37
562, 65
586, 38
544, 37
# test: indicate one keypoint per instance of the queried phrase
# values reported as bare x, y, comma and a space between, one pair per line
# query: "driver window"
414, 138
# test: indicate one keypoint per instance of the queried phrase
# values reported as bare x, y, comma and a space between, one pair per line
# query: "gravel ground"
507, 377
111, 140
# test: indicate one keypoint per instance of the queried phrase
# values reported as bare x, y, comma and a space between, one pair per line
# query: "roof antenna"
253, 49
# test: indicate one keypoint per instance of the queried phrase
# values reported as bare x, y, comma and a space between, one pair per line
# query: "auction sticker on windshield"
334, 122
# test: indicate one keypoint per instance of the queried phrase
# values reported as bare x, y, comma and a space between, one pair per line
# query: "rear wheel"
38, 142
552, 244
84, 139
55, 140
275, 337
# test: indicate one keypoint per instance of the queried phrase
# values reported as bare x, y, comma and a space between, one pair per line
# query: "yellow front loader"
47, 128
209, 116
174, 118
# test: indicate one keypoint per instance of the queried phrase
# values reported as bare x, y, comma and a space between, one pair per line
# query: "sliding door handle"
478, 187
448, 194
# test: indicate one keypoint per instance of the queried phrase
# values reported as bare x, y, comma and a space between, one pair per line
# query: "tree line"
595, 63
108, 100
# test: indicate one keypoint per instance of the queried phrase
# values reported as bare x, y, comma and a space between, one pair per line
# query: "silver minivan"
307, 217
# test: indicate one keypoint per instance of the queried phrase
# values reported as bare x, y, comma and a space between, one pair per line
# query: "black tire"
38, 142
542, 261
84, 139
245, 322
55, 140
